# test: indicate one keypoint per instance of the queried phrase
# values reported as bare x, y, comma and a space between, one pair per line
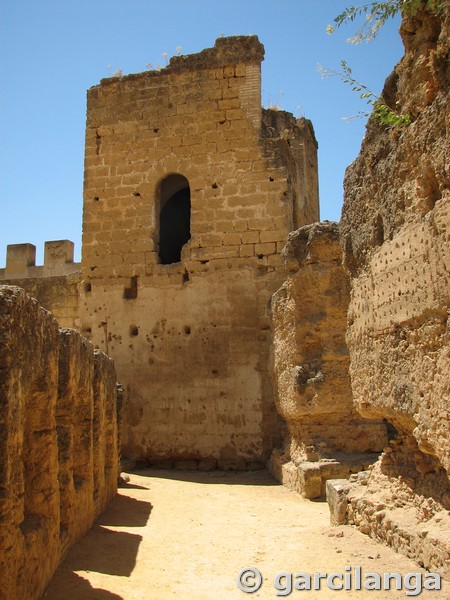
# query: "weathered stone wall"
74, 414
54, 284
104, 432
191, 339
59, 295
29, 453
325, 435
395, 237
53, 386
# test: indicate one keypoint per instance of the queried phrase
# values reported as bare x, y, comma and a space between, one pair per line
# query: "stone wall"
395, 236
54, 284
58, 442
191, 337
325, 436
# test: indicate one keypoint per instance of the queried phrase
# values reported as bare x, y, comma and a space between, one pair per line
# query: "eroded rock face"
58, 442
395, 238
310, 357
29, 501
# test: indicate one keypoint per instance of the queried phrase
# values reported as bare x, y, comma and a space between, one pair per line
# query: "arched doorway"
174, 218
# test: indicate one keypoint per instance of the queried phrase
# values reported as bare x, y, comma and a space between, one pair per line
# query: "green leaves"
380, 110
376, 14
387, 116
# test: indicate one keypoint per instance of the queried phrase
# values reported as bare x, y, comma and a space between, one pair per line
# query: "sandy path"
187, 535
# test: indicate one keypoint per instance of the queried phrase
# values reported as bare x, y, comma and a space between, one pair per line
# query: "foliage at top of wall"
375, 16
377, 13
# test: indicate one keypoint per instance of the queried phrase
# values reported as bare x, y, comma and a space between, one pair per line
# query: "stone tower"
191, 189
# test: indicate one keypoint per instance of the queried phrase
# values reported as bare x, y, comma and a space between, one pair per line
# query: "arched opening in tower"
174, 218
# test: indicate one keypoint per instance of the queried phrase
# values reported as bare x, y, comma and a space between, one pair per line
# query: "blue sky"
52, 51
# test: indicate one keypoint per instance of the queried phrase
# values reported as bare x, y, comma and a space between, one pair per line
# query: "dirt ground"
187, 535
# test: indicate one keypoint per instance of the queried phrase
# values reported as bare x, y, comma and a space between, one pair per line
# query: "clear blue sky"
52, 51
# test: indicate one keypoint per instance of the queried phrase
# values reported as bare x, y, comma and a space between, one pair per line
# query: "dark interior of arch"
174, 219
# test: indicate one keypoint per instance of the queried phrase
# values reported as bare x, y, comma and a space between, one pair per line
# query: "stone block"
231, 239
273, 236
18, 258
207, 464
228, 71
265, 249
58, 252
247, 250
235, 464
309, 482
186, 465
336, 492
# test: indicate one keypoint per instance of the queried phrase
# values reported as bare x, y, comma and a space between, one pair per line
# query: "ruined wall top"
226, 51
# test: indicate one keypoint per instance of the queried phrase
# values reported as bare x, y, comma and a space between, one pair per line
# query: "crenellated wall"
55, 284
58, 442
187, 149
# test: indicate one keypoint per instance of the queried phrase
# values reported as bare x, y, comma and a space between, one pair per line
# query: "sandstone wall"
395, 236
54, 284
57, 417
325, 435
191, 339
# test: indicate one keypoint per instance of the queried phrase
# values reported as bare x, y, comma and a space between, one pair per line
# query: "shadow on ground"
260, 477
71, 585
126, 512
115, 552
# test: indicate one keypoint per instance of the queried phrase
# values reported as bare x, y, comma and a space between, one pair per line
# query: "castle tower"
191, 189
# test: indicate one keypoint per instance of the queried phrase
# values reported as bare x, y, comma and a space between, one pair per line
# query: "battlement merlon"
232, 50
58, 252
21, 261
19, 257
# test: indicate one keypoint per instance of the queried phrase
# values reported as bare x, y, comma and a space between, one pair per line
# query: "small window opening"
174, 218
130, 293
88, 287
378, 231
133, 330
98, 143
